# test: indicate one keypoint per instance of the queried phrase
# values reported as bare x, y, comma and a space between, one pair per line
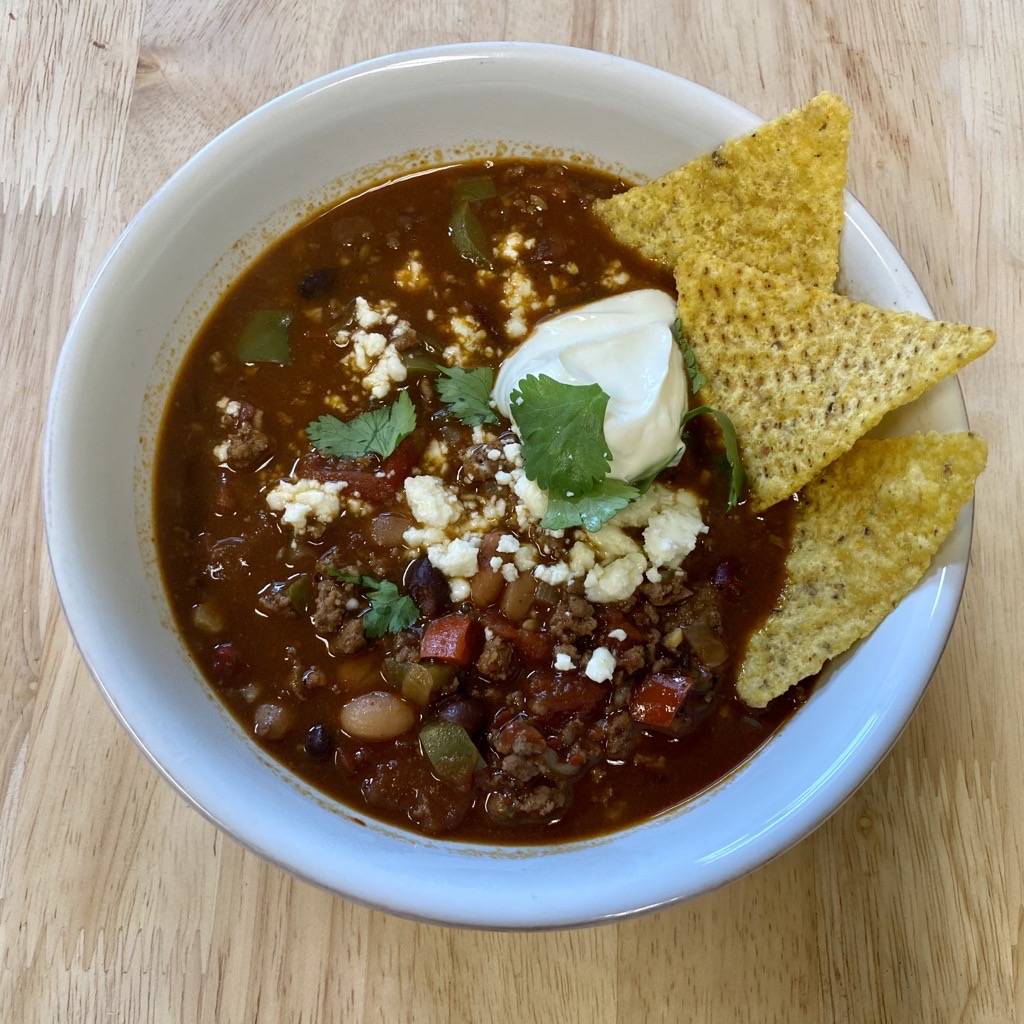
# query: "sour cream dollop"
625, 345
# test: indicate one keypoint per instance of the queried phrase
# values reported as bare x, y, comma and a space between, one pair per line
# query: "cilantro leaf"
737, 476
390, 611
377, 430
693, 370
591, 510
562, 427
467, 393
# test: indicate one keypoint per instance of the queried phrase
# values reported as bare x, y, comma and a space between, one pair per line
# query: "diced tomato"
658, 698
403, 460
453, 639
551, 693
614, 619
371, 485
533, 646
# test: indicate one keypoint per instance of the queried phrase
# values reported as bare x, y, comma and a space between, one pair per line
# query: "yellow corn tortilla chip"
803, 372
865, 534
773, 199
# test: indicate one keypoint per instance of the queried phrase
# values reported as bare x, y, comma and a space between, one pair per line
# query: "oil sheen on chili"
400, 630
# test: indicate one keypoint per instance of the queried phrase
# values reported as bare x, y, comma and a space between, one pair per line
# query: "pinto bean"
377, 716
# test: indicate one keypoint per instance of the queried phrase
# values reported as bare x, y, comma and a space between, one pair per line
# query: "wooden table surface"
118, 902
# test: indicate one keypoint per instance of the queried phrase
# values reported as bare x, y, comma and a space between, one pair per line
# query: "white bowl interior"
128, 337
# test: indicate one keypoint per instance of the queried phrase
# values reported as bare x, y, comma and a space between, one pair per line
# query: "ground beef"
274, 600
246, 444
349, 639
302, 680
333, 617
496, 661
406, 647
476, 466
671, 590
572, 618
620, 734
330, 605
510, 802
632, 660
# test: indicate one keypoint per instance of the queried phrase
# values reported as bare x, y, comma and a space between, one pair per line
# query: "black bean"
319, 743
427, 587
465, 711
315, 283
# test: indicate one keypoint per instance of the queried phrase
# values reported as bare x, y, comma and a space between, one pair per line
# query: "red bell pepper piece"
453, 639
657, 700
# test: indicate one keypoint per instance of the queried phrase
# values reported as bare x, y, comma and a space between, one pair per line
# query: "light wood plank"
117, 901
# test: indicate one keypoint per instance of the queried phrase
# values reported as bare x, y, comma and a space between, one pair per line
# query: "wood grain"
117, 902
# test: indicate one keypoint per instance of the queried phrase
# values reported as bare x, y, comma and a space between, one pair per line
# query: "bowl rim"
785, 834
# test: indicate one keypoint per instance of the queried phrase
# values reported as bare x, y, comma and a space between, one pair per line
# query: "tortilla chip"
773, 199
803, 372
865, 534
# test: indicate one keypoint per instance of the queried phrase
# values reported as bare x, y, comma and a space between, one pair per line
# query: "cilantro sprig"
390, 611
562, 427
377, 431
591, 510
467, 393
737, 475
693, 370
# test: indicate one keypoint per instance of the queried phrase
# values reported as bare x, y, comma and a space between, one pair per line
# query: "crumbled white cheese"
493, 454
581, 558
352, 604
616, 580
388, 369
509, 572
614, 275
366, 347
306, 500
519, 297
513, 452
496, 563
373, 354
612, 542
653, 575
366, 315
481, 435
412, 277
503, 479
468, 338
415, 537
533, 501
515, 327
220, 451
508, 543
563, 663
459, 590
229, 407
525, 558
512, 245
555, 575
671, 521
456, 558
430, 502
617, 634
601, 666
435, 458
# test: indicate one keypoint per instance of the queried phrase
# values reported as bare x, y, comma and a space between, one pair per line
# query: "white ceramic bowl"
130, 333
